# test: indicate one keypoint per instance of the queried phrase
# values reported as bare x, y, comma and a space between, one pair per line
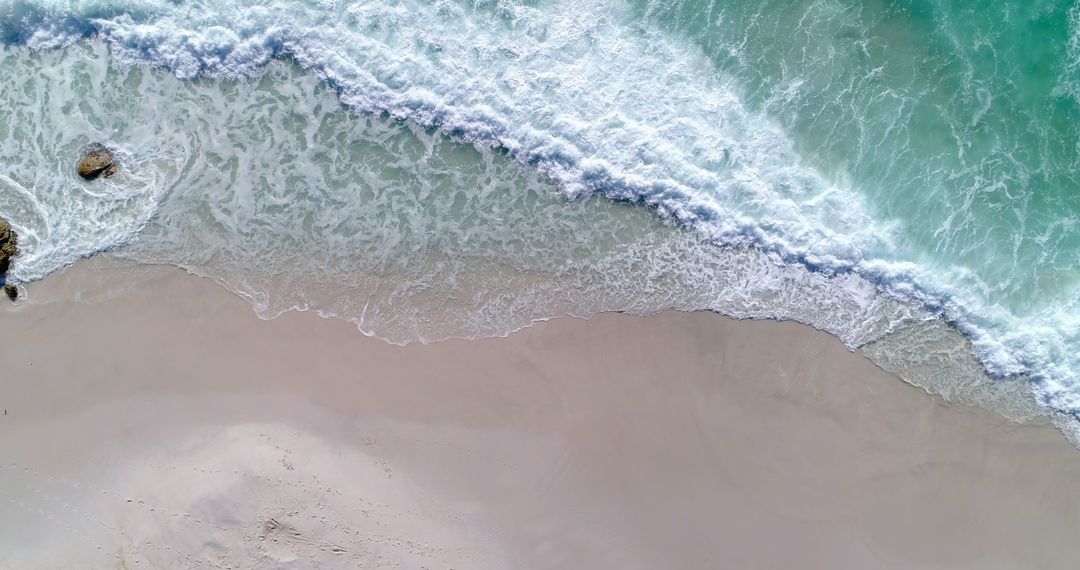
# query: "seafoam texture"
860, 167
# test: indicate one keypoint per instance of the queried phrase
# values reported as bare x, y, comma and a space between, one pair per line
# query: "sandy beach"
165, 426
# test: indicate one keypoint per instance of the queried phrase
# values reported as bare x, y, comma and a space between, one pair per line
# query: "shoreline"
970, 382
921, 297
165, 423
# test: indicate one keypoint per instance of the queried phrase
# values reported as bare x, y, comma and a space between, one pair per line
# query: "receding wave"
459, 192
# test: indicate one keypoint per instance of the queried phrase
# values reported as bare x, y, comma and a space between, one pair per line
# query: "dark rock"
96, 162
8, 239
9, 243
9, 247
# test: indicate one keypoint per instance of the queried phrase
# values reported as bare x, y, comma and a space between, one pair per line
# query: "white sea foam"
577, 91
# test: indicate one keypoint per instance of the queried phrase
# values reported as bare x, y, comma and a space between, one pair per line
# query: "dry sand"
170, 428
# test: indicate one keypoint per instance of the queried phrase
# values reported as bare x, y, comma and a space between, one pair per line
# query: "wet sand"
168, 427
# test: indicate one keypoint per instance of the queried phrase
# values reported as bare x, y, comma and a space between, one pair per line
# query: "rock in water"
9, 247
97, 162
8, 239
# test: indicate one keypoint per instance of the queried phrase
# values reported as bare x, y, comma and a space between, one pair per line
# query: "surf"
463, 111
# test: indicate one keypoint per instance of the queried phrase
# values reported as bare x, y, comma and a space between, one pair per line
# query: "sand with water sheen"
168, 427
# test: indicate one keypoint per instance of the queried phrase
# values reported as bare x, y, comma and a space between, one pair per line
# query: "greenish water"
955, 119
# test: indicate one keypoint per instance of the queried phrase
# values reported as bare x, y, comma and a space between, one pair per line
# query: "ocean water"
903, 175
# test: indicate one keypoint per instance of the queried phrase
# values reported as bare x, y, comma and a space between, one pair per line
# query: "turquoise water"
441, 169
955, 120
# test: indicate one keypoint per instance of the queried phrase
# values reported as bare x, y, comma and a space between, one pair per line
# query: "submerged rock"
96, 162
9, 247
